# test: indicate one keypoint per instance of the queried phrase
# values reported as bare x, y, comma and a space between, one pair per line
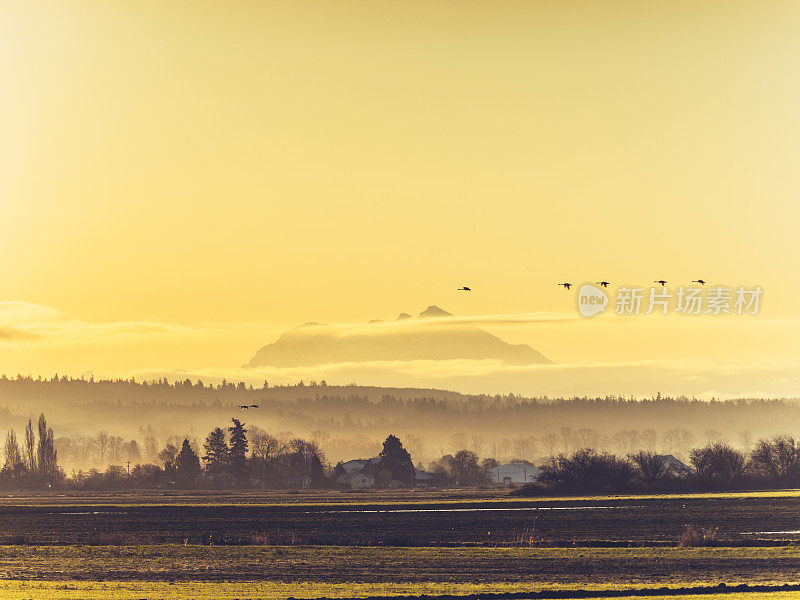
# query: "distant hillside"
404, 339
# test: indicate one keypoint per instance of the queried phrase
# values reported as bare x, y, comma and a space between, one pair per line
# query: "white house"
515, 474
356, 481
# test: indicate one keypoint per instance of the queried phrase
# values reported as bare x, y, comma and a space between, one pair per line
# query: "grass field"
336, 497
419, 520
93, 590
339, 545
412, 566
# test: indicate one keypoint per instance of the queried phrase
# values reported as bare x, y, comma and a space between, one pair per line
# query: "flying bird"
243, 406
700, 281
254, 406
464, 289
566, 285
602, 283
660, 282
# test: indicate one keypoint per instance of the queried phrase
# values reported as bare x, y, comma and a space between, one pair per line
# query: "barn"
515, 474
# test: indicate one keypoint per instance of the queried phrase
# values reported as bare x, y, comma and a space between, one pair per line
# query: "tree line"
235, 457
35, 462
772, 463
353, 420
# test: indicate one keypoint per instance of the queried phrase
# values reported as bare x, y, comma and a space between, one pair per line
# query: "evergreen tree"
187, 464
316, 473
216, 452
238, 449
397, 460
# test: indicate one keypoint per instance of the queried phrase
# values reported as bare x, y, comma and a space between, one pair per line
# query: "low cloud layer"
593, 357
29, 322
641, 378
23, 322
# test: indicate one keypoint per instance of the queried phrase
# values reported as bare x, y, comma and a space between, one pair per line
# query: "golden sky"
228, 170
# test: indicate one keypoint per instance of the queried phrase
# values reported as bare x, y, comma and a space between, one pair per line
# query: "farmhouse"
514, 474
356, 481
358, 474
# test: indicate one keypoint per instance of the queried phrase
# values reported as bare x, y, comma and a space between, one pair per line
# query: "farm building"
357, 465
356, 481
358, 474
421, 477
675, 466
297, 482
515, 474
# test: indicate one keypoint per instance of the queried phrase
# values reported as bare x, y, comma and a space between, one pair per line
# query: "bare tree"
648, 439
777, 459
714, 436
651, 467
746, 440
265, 447
102, 444
30, 448
415, 444
567, 438
47, 462
12, 453
550, 441
477, 444
587, 438
458, 441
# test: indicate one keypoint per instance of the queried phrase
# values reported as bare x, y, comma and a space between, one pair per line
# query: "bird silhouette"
566, 285
700, 281
660, 282
602, 283
243, 406
464, 289
254, 406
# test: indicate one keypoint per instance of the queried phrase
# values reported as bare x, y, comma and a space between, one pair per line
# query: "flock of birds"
605, 284
661, 282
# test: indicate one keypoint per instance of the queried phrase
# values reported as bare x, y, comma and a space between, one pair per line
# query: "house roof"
363, 461
675, 464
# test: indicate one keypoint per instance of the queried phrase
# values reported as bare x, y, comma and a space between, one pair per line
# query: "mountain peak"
434, 311
416, 340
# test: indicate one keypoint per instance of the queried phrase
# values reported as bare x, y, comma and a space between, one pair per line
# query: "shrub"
651, 467
587, 471
718, 465
693, 538
776, 461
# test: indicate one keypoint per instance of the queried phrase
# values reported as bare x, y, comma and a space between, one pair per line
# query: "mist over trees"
125, 422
